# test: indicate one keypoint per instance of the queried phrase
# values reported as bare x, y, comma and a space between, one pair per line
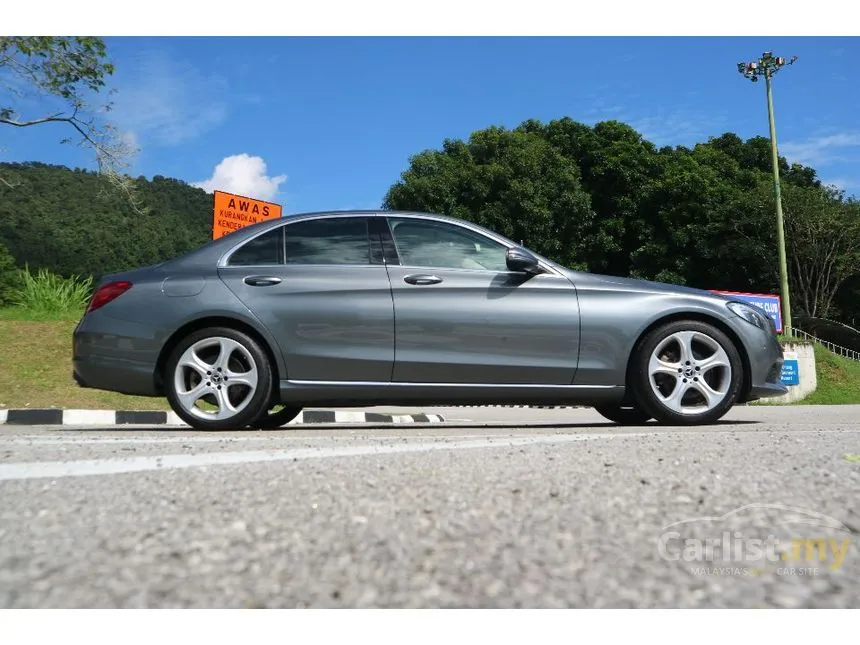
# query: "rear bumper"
103, 359
123, 376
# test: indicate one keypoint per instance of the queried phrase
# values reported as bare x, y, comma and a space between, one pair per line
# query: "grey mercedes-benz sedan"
354, 309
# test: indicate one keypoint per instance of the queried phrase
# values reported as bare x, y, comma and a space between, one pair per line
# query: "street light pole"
777, 195
767, 66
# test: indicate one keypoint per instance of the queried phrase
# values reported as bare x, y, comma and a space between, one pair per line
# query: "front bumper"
766, 390
766, 370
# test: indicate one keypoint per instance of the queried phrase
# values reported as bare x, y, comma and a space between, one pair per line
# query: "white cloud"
679, 127
823, 150
167, 102
848, 184
129, 139
244, 175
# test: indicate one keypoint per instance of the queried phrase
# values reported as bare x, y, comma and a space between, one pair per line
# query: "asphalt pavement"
496, 507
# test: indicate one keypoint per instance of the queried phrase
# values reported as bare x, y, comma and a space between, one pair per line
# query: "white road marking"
82, 468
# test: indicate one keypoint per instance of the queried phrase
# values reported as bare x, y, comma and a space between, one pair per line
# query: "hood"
648, 286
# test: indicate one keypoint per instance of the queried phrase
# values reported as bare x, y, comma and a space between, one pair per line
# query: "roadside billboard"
231, 212
770, 303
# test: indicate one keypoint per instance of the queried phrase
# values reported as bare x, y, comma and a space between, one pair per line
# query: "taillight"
108, 292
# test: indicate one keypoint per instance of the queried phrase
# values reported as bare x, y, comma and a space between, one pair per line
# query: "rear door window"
342, 240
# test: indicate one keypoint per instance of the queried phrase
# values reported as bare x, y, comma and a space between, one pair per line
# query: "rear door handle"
421, 279
261, 280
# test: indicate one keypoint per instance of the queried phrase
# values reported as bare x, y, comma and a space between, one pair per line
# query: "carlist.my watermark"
756, 539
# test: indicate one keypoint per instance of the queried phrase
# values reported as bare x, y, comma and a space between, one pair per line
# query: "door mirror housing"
521, 261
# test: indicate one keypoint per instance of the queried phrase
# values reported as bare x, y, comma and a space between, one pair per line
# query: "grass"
47, 294
838, 379
791, 339
29, 315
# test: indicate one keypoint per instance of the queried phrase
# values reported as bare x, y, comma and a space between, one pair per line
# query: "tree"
736, 247
56, 219
618, 169
8, 274
822, 230
848, 301
603, 198
512, 182
754, 154
62, 74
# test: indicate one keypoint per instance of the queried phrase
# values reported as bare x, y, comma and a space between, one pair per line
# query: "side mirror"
521, 261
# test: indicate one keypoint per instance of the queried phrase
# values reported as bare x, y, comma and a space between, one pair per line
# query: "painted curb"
57, 417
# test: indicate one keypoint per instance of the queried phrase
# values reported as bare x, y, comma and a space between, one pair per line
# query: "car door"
313, 283
462, 317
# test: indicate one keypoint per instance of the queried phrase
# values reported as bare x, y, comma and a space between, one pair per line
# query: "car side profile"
355, 309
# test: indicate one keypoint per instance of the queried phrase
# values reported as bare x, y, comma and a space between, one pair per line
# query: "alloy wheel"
689, 372
215, 378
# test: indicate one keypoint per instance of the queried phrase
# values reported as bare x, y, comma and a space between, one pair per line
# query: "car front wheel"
218, 379
687, 373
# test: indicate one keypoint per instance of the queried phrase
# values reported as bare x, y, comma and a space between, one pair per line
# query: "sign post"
790, 369
231, 212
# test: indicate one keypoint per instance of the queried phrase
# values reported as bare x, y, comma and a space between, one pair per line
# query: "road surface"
497, 507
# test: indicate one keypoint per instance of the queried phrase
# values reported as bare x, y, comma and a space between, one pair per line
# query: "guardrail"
836, 349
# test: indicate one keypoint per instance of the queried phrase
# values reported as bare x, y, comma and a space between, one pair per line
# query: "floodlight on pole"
767, 66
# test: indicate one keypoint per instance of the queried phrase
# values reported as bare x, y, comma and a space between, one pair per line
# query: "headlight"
751, 315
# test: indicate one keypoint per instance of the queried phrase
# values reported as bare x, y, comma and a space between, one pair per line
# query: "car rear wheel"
218, 378
686, 373
625, 415
275, 418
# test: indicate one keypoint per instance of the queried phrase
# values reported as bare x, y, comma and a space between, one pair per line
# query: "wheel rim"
690, 372
217, 373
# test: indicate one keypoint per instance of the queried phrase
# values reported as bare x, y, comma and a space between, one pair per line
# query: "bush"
49, 293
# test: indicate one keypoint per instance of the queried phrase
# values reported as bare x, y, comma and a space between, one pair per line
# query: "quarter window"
440, 244
328, 241
263, 250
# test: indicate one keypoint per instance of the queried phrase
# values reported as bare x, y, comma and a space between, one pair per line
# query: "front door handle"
422, 279
261, 280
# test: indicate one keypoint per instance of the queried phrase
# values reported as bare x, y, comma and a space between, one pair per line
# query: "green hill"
69, 221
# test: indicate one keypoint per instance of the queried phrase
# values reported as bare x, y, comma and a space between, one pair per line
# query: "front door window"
423, 243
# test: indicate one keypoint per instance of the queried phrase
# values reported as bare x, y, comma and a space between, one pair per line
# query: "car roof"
254, 229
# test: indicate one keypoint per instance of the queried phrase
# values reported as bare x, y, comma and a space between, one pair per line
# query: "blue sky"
330, 123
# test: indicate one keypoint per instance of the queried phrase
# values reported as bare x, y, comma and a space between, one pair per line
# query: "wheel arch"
704, 318
214, 321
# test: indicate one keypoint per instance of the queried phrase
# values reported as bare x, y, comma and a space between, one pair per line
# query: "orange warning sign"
232, 212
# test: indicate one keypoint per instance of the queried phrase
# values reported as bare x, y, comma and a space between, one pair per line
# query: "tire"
624, 415
271, 420
218, 354
694, 356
